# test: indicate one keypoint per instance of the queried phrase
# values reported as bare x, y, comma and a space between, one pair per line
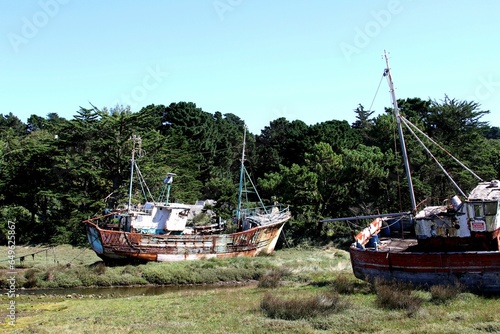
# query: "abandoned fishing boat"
161, 231
456, 243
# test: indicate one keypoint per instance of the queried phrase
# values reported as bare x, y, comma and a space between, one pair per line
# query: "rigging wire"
255, 190
361, 227
143, 184
442, 148
376, 92
405, 122
394, 134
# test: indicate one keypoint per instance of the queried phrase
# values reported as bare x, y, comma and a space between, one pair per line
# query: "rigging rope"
442, 148
143, 184
394, 135
371, 234
405, 122
73, 259
255, 189
371, 105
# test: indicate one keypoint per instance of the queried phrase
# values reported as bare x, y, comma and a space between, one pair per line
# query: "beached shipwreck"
457, 243
164, 231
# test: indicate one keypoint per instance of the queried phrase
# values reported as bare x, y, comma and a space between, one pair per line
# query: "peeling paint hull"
120, 246
474, 270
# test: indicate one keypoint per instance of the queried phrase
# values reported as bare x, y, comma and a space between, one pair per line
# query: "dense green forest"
55, 172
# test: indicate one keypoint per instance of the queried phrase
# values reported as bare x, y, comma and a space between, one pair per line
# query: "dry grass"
325, 298
273, 278
442, 294
397, 296
301, 307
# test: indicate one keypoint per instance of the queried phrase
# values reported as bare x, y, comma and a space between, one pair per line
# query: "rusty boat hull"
472, 270
120, 246
454, 242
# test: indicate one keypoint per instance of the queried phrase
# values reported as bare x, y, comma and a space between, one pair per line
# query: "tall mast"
240, 191
135, 139
387, 73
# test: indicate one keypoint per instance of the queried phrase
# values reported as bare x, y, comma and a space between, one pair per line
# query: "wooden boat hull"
120, 246
476, 270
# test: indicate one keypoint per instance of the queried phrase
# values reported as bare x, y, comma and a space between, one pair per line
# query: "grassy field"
293, 291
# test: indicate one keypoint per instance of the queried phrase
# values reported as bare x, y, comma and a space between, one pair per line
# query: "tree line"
55, 172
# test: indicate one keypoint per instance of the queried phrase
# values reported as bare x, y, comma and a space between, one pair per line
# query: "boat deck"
387, 244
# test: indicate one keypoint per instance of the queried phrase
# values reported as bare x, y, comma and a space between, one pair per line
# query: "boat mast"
135, 139
387, 73
242, 169
168, 181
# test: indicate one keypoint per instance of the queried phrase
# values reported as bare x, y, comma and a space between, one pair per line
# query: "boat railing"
262, 210
143, 209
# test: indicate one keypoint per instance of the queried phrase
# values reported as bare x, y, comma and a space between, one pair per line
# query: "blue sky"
260, 60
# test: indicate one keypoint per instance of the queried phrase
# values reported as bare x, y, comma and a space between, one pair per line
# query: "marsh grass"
31, 279
443, 294
325, 299
238, 310
272, 278
397, 296
43, 273
346, 284
296, 308
70, 267
45, 255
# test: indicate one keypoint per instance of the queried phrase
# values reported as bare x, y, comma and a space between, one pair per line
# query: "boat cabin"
160, 218
478, 217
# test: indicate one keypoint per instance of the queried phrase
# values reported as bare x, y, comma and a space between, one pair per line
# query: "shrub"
49, 274
99, 268
301, 308
272, 278
130, 269
442, 294
344, 284
66, 280
87, 276
31, 279
397, 296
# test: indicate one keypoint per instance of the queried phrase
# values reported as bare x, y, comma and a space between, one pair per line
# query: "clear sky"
258, 59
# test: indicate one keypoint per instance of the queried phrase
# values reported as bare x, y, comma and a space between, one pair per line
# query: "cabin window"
478, 210
485, 211
490, 209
